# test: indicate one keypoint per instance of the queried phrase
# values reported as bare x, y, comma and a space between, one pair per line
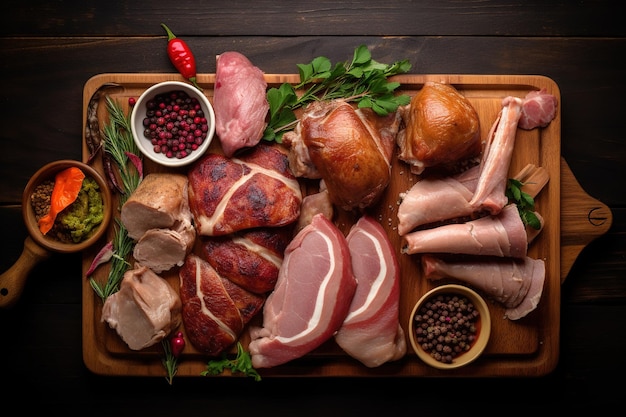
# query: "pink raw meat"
240, 102
311, 298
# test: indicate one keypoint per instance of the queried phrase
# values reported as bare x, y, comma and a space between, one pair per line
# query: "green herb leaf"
524, 201
241, 364
362, 80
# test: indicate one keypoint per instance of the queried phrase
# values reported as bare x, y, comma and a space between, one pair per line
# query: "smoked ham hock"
349, 149
442, 128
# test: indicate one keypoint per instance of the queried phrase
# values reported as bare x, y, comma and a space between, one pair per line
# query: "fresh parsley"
524, 201
362, 80
242, 363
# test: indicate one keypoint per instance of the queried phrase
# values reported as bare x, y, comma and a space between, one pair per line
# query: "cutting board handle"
13, 280
583, 219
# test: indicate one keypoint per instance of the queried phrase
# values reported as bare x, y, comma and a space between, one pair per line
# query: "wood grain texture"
525, 347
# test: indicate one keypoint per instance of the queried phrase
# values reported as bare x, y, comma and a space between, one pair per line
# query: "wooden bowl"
483, 326
48, 172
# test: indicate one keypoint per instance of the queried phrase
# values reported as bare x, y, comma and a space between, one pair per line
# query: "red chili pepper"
181, 56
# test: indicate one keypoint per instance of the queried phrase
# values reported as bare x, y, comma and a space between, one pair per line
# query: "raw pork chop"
501, 235
145, 310
215, 310
312, 296
371, 332
240, 102
516, 283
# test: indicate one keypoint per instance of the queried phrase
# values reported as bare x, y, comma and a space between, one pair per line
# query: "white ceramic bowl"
139, 113
483, 325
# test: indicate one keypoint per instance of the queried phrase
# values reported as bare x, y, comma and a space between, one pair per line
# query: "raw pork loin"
256, 189
249, 258
371, 332
501, 235
312, 296
240, 102
215, 310
158, 217
516, 283
145, 310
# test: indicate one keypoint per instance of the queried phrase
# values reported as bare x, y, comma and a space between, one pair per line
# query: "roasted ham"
311, 299
501, 235
349, 149
250, 258
158, 218
240, 102
255, 189
371, 332
215, 310
145, 310
516, 283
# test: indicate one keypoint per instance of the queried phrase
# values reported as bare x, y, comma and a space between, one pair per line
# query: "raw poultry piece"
371, 332
158, 218
145, 310
255, 189
215, 310
442, 128
517, 283
501, 235
535, 110
311, 299
250, 258
240, 102
349, 149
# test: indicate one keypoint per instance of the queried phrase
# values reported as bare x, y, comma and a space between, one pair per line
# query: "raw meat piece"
516, 283
145, 310
371, 332
311, 299
215, 310
501, 235
349, 149
240, 102
250, 258
256, 189
538, 109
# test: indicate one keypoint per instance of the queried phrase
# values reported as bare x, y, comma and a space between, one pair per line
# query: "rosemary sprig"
118, 142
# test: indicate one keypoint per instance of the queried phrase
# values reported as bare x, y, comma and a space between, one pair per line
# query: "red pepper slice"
181, 56
67, 185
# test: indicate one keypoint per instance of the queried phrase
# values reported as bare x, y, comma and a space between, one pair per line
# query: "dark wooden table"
48, 50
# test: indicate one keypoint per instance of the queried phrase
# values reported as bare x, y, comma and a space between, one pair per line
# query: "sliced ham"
516, 283
311, 299
215, 310
240, 102
145, 310
501, 235
371, 332
537, 109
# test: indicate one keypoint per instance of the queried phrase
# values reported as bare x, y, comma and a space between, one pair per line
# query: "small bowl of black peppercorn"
449, 326
173, 123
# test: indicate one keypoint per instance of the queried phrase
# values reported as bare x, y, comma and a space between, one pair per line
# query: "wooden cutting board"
527, 347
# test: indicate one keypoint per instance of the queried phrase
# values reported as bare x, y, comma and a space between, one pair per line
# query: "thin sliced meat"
515, 283
371, 332
501, 235
311, 299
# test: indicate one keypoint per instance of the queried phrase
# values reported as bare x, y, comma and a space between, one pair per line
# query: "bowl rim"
479, 344
48, 171
136, 118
